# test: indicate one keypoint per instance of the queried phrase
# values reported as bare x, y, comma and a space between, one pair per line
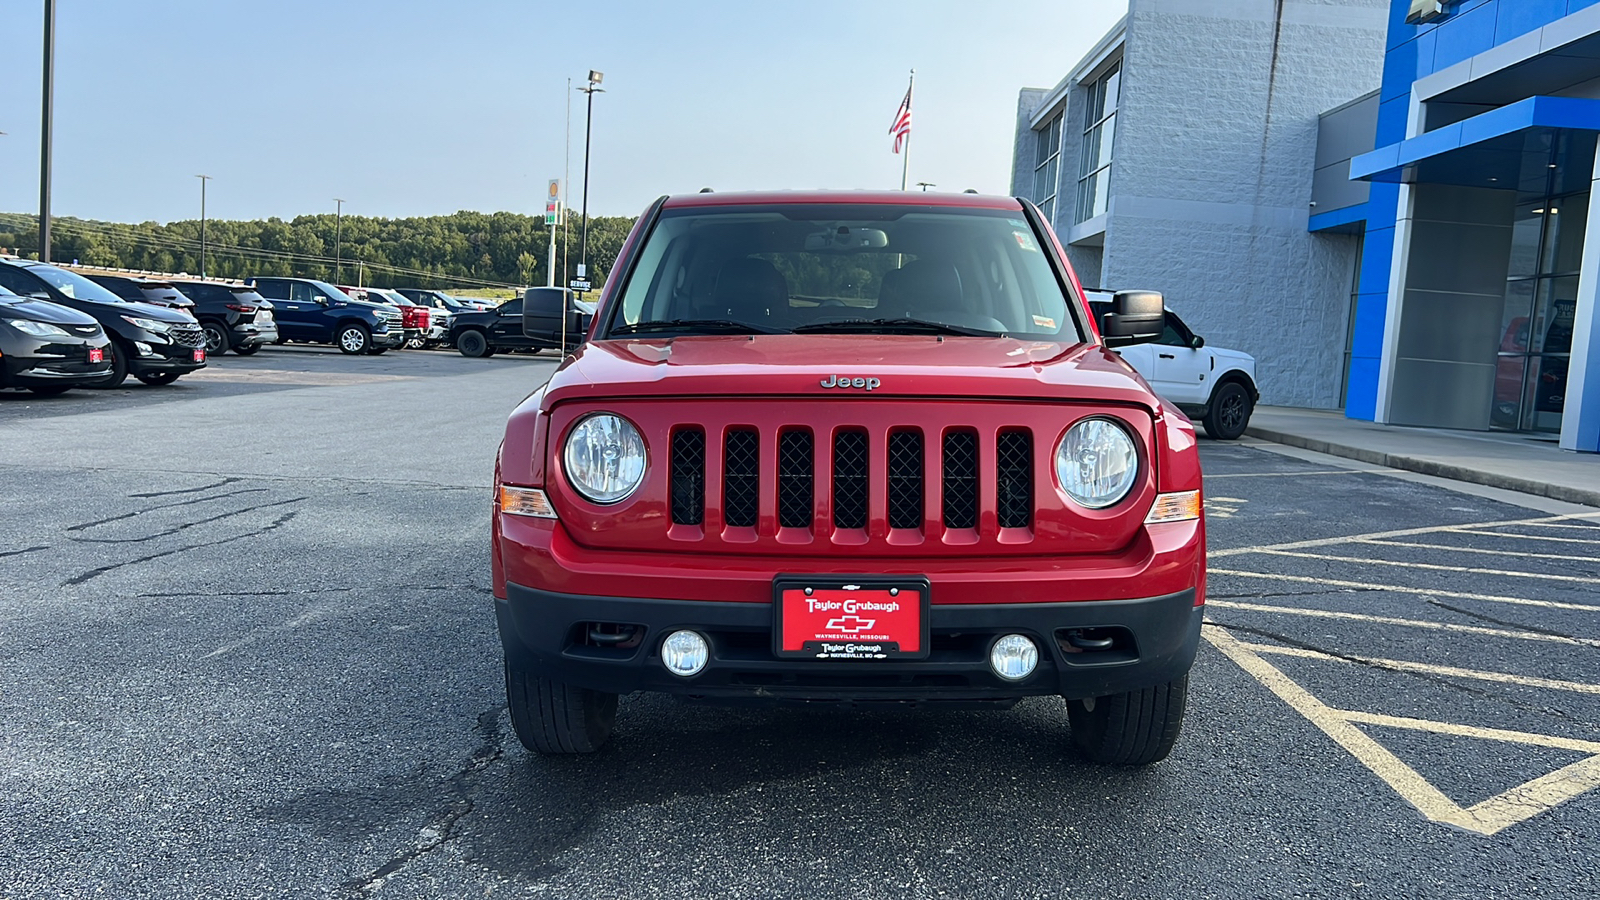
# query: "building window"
1046, 166
1099, 134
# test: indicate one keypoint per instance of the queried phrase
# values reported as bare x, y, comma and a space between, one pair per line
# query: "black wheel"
1132, 729
216, 338
354, 339
51, 390
118, 353
157, 379
557, 719
1230, 410
473, 343
247, 349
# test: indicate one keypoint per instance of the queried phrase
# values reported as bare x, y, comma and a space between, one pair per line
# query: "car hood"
1237, 355
42, 311
813, 365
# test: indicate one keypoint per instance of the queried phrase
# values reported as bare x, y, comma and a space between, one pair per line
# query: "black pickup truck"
500, 329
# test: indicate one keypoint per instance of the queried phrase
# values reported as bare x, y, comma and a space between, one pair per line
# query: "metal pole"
203, 180
566, 181
45, 132
338, 254
550, 273
588, 122
905, 161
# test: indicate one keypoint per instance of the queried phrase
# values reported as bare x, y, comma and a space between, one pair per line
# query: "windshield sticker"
1045, 322
1025, 241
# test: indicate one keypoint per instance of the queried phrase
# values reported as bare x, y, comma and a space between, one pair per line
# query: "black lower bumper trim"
1087, 649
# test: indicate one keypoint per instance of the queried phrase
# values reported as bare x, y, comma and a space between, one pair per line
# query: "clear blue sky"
404, 107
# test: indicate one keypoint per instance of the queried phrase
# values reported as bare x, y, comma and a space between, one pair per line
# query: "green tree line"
462, 249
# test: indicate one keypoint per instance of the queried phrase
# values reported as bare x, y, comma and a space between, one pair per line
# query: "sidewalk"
1515, 462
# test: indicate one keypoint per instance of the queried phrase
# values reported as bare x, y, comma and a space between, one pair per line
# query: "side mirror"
1197, 342
1136, 317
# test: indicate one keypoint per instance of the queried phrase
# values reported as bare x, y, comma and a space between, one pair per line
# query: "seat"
930, 290
747, 290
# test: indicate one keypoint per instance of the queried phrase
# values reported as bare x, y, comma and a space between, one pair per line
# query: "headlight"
37, 329
150, 325
1096, 463
605, 458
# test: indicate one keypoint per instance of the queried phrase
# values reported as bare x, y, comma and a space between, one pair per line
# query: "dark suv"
143, 290
316, 312
48, 348
154, 344
233, 316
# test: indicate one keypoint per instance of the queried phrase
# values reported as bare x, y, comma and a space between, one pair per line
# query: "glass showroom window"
1099, 132
1046, 166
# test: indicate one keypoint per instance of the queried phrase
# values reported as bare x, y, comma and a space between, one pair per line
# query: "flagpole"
905, 160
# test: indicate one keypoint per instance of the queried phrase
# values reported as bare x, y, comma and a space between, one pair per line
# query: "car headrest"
921, 285
748, 289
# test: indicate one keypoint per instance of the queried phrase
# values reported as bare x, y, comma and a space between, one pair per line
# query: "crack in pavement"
300, 593
92, 574
442, 828
5, 553
140, 512
223, 483
187, 525
1504, 623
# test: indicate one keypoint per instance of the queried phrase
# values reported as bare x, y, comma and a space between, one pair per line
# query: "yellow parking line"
1526, 537
1486, 818
1400, 665
1405, 532
1427, 592
1517, 553
1584, 579
1405, 623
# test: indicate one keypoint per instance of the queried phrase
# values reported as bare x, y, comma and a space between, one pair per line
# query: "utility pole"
338, 254
588, 121
45, 132
203, 180
566, 182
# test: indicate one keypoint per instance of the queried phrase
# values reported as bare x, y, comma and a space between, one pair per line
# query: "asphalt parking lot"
249, 651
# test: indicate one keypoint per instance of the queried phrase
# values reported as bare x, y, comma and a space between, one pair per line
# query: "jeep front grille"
688, 476
741, 478
850, 479
961, 480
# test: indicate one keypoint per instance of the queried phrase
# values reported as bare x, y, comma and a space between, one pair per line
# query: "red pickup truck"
851, 448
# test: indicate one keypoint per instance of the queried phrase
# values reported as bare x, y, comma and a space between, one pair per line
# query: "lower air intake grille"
689, 476
961, 479
850, 479
741, 478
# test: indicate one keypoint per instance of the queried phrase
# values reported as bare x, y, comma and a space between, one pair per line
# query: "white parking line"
1517, 553
1404, 623
1296, 474
1527, 537
1400, 665
1584, 579
1409, 532
1392, 589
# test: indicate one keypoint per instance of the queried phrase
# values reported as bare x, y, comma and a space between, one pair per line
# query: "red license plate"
200, 355
850, 619
97, 354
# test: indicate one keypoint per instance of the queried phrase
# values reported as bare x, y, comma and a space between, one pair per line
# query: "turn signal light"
518, 501
1179, 507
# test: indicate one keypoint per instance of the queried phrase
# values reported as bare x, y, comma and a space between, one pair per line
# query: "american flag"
902, 122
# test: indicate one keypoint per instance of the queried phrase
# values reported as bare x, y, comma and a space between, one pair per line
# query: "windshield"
844, 268
74, 285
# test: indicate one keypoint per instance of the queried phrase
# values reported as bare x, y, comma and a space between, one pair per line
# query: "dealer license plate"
841, 618
200, 355
97, 354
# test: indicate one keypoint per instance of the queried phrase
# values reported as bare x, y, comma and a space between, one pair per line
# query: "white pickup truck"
1212, 385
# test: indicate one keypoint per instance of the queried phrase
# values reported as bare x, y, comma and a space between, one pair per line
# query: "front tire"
557, 719
119, 365
216, 338
354, 339
1229, 413
1135, 728
473, 344
247, 349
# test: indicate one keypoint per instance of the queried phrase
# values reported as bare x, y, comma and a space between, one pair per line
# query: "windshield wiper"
711, 326
903, 326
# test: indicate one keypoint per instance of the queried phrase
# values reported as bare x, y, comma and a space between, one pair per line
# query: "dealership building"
1385, 201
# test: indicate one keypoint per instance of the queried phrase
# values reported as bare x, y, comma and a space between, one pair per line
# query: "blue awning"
1505, 147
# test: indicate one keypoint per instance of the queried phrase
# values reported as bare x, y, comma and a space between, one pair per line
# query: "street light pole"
203, 180
591, 89
48, 116
338, 248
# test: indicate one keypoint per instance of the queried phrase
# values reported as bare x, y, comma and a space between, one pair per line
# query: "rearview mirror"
1136, 317
845, 238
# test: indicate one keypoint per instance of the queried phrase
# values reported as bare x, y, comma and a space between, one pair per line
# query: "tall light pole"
338, 255
203, 180
48, 116
592, 88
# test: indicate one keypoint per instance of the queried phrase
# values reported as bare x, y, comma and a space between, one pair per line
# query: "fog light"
685, 653
143, 348
1013, 657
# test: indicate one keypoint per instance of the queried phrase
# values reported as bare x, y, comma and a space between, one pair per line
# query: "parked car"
502, 328
48, 348
234, 317
1212, 385
154, 291
154, 344
440, 300
850, 448
315, 312
415, 318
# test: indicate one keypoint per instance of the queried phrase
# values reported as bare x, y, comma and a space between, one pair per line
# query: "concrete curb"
1435, 468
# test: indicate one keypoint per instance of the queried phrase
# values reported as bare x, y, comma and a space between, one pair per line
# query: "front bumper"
390, 339
43, 371
1153, 641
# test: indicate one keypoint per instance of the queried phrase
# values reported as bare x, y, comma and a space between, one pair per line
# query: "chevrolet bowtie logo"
851, 624
1425, 11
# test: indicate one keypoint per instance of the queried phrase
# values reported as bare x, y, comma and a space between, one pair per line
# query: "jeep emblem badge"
846, 381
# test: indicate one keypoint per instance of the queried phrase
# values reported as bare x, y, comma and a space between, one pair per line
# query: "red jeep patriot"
850, 448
